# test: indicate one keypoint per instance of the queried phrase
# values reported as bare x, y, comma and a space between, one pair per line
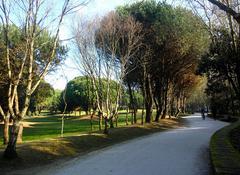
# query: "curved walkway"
180, 151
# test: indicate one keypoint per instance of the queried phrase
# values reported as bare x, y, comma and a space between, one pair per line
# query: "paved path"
177, 152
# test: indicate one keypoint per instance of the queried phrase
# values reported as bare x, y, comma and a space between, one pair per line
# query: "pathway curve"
181, 151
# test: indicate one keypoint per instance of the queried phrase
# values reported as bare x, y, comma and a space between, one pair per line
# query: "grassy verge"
225, 158
38, 153
48, 126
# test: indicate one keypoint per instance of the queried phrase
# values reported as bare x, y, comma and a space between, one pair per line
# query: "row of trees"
221, 64
30, 48
80, 95
147, 46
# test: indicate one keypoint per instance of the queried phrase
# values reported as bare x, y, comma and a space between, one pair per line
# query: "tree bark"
116, 117
105, 125
100, 116
6, 131
126, 117
20, 132
135, 115
10, 151
148, 113
91, 122
158, 114
142, 116
165, 103
133, 105
227, 9
111, 122
149, 100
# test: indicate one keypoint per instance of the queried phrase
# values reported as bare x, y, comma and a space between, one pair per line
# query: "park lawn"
76, 142
48, 126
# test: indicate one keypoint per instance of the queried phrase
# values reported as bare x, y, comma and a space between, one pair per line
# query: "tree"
79, 94
35, 15
226, 8
16, 36
174, 38
221, 63
55, 101
40, 99
107, 55
220, 67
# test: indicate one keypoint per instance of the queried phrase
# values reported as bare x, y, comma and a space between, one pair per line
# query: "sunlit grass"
48, 126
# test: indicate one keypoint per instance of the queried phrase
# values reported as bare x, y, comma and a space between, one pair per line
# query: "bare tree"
105, 52
35, 14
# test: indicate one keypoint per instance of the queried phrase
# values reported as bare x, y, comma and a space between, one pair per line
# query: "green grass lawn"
49, 126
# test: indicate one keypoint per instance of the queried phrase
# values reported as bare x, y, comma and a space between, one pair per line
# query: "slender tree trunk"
127, 117
184, 105
135, 115
91, 122
132, 119
111, 122
105, 125
133, 106
6, 131
100, 116
142, 116
158, 114
116, 117
148, 113
165, 104
149, 100
10, 151
20, 132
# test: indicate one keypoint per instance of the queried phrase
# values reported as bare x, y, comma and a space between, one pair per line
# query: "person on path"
203, 113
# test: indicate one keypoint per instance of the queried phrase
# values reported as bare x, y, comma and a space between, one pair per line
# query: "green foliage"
55, 101
42, 97
80, 93
220, 65
174, 40
42, 47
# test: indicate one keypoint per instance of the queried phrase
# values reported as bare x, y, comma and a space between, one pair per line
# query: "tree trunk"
142, 116
133, 106
91, 122
6, 131
177, 113
159, 111
149, 100
10, 151
135, 115
127, 118
148, 113
132, 119
20, 132
105, 125
165, 106
184, 105
116, 117
111, 122
100, 120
